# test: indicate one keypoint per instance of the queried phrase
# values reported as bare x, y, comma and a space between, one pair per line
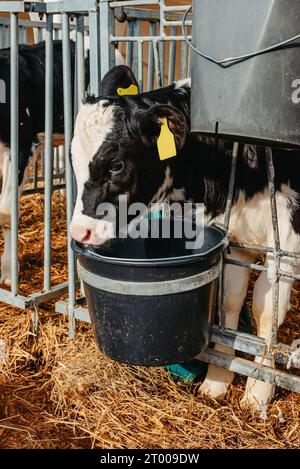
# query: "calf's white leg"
5, 278
258, 393
5, 216
236, 284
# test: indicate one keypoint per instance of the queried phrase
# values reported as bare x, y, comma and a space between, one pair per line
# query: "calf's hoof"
216, 382
257, 396
5, 280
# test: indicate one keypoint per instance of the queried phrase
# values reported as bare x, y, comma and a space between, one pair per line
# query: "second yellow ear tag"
166, 142
132, 90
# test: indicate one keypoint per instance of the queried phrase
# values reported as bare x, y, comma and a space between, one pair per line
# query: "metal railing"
151, 39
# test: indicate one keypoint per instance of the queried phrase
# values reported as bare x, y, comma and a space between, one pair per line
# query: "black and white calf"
114, 151
31, 121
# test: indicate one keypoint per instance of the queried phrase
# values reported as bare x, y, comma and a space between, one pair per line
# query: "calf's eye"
116, 167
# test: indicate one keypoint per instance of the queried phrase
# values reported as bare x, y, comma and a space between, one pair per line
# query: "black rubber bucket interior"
152, 301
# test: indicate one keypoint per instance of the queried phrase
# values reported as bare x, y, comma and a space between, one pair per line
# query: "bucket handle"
228, 61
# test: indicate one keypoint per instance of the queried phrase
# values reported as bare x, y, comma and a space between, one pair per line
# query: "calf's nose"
82, 234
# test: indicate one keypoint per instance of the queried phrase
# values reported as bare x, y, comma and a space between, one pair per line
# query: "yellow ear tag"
166, 142
132, 90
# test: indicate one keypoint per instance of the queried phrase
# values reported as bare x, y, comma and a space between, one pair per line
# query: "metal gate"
155, 47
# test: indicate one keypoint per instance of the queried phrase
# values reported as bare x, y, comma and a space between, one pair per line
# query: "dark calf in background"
31, 121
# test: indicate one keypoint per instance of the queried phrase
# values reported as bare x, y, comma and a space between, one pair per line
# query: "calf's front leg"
5, 218
5, 277
236, 285
258, 393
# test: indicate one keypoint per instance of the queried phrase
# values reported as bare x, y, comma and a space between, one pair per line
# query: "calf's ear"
118, 77
150, 122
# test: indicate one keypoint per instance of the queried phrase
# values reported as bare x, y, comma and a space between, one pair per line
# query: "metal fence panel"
150, 36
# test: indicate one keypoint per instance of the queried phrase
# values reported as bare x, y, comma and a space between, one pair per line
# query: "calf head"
114, 153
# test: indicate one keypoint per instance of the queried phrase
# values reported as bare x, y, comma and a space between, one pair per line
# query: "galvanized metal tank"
256, 97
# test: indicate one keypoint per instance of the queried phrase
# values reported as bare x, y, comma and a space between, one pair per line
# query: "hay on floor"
59, 393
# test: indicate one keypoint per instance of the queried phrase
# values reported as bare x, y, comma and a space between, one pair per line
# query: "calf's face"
114, 153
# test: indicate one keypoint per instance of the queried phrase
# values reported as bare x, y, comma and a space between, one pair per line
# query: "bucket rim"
154, 262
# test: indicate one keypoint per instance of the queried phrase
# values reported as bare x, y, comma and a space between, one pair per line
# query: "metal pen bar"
148, 38
275, 287
54, 292
94, 53
178, 23
13, 7
66, 6
231, 185
18, 301
80, 62
40, 190
130, 3
40, 34
255, 346
252, 369
182, 8
162, 61
56, 162
229, 202
140, 66
2, 37
14, 147
150, 15
150, 81
107, 50
157, 65
35, 173
172, 58
129, 46
265, 249
183, 58
80, 312
189, 61
48, 151
69, 176
261, 268
33, 24
135, 63
41, 179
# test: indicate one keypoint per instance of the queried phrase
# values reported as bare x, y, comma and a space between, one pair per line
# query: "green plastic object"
188, 372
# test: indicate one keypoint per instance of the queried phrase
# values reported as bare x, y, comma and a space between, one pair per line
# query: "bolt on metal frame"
164, 27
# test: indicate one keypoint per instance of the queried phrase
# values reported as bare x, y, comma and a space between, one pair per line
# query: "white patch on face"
177, 195
160, 195
186, 83
93, 123
164, 194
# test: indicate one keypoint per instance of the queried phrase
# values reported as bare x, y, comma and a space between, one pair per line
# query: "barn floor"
59, 393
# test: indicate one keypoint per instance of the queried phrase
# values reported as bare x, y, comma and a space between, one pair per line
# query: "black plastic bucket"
251, 98
152, 301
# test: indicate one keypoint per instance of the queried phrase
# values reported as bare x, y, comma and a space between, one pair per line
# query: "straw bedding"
59, 393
